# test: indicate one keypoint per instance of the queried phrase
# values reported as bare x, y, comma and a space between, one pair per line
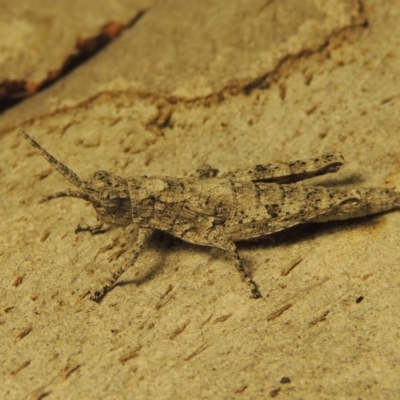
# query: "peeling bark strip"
277, 313
292, 265
216, 211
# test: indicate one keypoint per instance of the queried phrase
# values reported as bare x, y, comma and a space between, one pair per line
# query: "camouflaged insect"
217, 210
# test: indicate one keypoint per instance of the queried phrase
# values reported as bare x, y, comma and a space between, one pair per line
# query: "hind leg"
289, 172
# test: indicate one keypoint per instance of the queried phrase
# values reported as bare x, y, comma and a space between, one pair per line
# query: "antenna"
60, 167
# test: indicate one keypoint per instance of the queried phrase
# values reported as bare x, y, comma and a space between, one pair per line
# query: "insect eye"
100, 175
111, 195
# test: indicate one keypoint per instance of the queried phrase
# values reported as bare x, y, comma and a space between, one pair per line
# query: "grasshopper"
217, 210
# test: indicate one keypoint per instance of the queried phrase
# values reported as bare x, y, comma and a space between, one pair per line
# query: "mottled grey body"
192, 208
211, 210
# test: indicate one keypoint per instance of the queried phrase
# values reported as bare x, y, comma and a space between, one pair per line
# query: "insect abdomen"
269, 208
263, 208
361, 202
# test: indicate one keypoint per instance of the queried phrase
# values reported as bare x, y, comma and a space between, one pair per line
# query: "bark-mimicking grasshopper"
216, 211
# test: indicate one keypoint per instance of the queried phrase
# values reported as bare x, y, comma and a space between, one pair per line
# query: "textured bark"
230, 84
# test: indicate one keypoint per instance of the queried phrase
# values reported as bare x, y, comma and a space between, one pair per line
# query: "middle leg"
215, 238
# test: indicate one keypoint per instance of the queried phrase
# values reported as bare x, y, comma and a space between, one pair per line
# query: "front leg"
99, 294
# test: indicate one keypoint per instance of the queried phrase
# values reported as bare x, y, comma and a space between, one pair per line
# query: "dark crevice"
166, 109
13, 92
